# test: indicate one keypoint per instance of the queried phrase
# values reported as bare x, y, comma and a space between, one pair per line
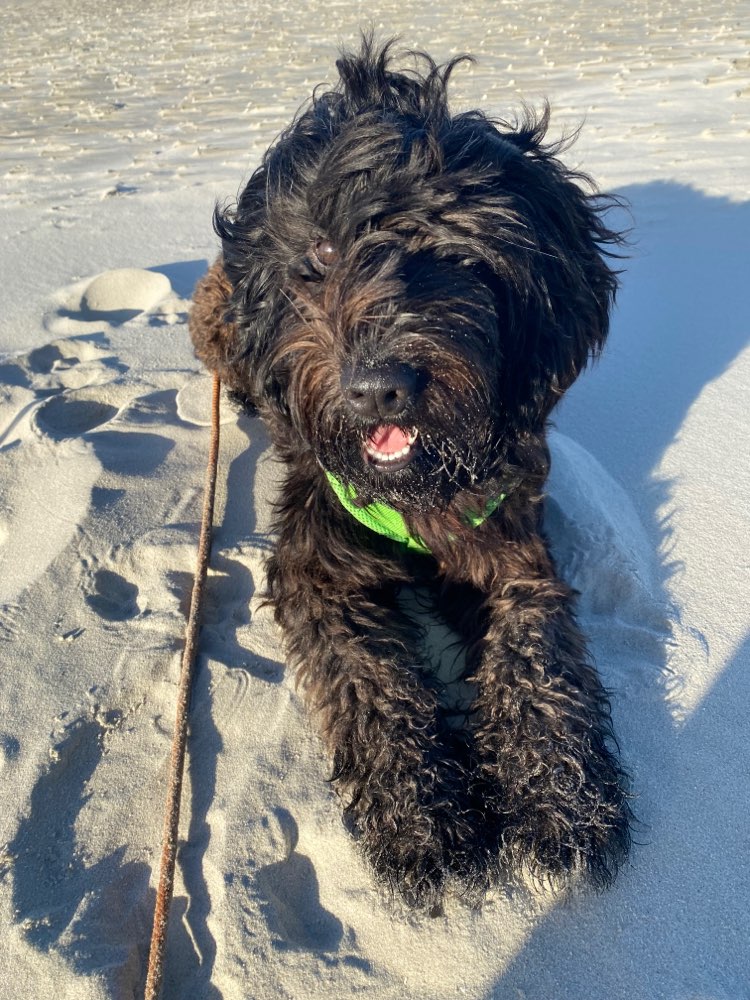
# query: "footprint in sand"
42, 360
65, 417
67, 363
71, 363
135, 582
112, 596
290, 897
74, 414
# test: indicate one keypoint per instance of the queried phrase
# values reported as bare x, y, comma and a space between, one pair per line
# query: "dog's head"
411, 290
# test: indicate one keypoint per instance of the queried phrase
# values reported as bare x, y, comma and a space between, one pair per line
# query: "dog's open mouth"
390, 448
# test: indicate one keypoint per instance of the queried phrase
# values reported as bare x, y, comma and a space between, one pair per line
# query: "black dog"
404, 294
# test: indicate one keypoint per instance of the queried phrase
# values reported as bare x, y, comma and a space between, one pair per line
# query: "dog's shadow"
680, 909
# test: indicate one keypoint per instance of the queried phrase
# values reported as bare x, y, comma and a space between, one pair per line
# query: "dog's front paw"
406, 856
564, 811
411, 826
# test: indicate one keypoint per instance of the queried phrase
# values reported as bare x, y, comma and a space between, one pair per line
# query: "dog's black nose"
382, 392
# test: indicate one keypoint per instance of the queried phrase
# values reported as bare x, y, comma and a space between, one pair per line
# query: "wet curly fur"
395, 272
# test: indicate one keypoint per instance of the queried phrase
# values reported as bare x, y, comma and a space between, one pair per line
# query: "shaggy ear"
578, 288
254, 271
561, 253
215, 336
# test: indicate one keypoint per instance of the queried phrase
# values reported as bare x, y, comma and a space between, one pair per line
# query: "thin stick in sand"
155, 972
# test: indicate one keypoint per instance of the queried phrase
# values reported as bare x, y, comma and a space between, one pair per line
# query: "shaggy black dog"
403, 295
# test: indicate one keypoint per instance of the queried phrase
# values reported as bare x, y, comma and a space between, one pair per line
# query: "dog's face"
411, 291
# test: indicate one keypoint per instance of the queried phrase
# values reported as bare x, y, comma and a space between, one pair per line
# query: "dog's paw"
412, 829
566, 817
409, 863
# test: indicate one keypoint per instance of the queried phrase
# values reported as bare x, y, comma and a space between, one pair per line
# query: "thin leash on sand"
155, 971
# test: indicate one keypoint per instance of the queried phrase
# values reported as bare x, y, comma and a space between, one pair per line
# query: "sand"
121, 126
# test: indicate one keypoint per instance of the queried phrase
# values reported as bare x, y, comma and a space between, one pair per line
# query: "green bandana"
384, 520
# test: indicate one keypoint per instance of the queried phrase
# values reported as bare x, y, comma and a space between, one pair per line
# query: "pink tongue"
388, 439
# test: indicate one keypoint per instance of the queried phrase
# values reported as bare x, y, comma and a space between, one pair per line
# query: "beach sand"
121, 127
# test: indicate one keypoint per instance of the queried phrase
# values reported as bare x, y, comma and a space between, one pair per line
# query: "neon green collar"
384, 520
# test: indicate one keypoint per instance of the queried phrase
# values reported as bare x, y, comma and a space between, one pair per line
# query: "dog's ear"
214, 334
238, 306
553, 253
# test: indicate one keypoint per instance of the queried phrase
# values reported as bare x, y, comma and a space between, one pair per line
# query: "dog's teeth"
389, 456
396, 456
393, 457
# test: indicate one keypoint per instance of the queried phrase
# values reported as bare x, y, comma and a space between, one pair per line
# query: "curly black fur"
393, 272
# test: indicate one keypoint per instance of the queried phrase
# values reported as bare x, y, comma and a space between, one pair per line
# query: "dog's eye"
324, 253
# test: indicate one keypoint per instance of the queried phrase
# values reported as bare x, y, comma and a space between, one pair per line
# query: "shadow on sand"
675, 924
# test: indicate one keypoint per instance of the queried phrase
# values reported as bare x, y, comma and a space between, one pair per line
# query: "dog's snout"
379, 393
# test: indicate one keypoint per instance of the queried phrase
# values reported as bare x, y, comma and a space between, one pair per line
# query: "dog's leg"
546, 772
395, 762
